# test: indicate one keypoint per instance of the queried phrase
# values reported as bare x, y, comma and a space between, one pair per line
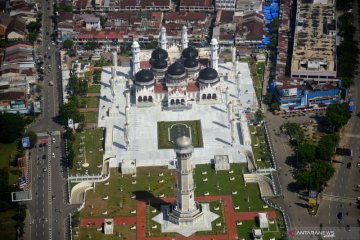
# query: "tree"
73, 85
32, 37
11, 127
83, 87
326, 146
33, 138
314, 178
294, 131
347, 82
69, 111
259, 115
91, 45
338, 114
68, 44
306, 152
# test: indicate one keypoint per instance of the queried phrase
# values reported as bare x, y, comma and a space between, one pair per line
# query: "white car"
53, 140
53, 155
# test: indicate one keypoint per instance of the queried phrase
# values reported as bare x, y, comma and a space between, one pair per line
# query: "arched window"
177, 101
150, 99
183, 101
172, 102
139, 99
203, 96
145, 99
209, 96
214, 96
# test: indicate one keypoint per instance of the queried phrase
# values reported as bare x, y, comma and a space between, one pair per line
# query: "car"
44, 156
53, 140
358, 164
53, 155
44, 169
53, 197
348, 165
358, 198
340, 215
358, 186
347, 228
358, 220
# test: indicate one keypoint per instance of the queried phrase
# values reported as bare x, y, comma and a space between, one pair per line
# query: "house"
65, 26
197, 5
16, 29
5, 20
92, 22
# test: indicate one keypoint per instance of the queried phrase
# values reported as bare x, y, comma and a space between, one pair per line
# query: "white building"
228, 5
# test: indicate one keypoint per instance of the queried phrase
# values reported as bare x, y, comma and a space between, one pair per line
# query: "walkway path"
97, 222
93, 94
82, 110
245, 216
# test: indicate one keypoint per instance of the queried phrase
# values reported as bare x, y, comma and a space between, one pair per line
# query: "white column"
112, 82
233, 54
127, 112
127, 98
238, 79
184, 38
163, 40
135, 48
233, 135
214, 46
114, 58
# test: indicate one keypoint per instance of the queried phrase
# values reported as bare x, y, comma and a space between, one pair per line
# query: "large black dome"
144, 76
159, 53
159, 64
190, 52
176, 69
208, 74
191, 63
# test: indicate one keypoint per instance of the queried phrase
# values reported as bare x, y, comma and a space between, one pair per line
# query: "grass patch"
120, 232
257, 72
260, 147
120, 202
92, 144
8, 224
94, 89
8, 153
91, 117
274, 231
90, 102
163, 133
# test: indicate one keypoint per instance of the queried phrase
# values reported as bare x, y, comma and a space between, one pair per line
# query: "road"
341, 193
49, 209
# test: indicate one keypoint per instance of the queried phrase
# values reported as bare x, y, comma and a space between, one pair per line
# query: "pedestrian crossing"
334, 198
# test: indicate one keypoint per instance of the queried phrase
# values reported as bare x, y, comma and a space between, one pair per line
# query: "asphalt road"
49, 209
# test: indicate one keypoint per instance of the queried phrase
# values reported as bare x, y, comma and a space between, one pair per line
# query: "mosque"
175, 84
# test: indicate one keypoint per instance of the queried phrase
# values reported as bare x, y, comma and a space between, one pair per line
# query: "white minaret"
114, 58
163, 40
214, 46
184, 38
135, 49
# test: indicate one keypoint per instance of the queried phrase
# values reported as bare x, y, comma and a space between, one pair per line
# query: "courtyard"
135, 199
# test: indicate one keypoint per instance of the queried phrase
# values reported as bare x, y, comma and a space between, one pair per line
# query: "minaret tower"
135, 49
214, 46
185, 210
163, 40
184, 38
114, 58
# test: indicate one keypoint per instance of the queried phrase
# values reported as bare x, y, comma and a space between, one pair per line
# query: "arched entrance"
139, 99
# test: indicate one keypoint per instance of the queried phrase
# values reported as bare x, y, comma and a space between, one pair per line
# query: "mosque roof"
191, 63
144, 76
159, 53
190, 52
176, 69
208, 73
159, 64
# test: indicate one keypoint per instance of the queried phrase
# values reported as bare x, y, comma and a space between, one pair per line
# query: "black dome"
176, 69
159, 64
208, 74
159, 53
190, 52
144, 75
191, 63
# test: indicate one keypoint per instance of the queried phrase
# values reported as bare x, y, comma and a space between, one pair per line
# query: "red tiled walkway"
252, 215
140, 220
97, 222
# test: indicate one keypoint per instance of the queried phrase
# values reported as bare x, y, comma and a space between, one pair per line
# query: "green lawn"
257, 73
7, 225
90, 102
94, 89
8, 152
92, 144
120, 202
163, 133
120, 232
91, 117
260, 146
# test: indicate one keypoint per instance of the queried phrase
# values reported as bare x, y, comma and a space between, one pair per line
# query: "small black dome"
208, 74
144, 76
159, 53
191, 63
176, 69
190, 52
159, 64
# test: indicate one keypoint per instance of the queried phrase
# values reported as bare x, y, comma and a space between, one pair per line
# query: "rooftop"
314, 44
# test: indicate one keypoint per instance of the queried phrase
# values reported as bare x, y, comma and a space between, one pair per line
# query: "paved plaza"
142, 128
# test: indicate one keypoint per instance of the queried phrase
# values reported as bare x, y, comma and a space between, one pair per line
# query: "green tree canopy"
11, 127
68, 44
316, 176
91, 45
338, 114
69, 111
306, 152
294, 131
33, 138
326, 146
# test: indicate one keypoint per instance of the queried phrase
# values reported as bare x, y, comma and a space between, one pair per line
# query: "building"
221, 163
16, 29
225, 5
5, 20
92, 22
314, 49
123, 5
248, 6
197, 5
